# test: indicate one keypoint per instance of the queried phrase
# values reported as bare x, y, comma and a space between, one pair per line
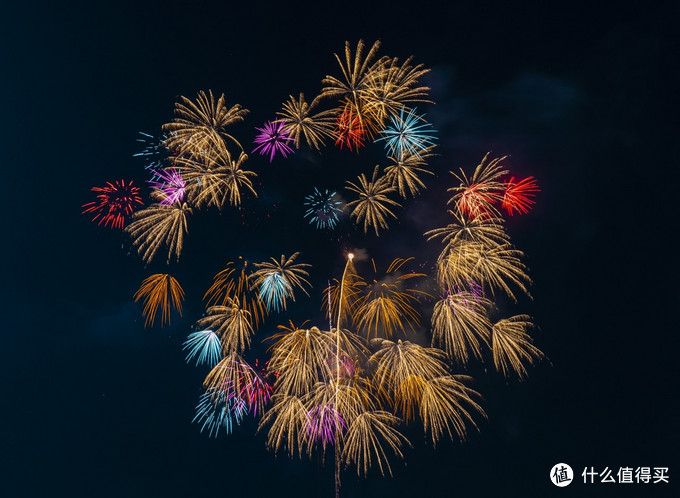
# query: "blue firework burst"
324, 209
155, 153
274, 290
219, 410
204, 346
408, 135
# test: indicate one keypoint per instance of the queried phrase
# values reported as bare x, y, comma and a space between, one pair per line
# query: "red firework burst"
518, 196
114, 202
350, 130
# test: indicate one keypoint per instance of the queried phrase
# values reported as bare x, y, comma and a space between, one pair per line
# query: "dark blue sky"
581, 96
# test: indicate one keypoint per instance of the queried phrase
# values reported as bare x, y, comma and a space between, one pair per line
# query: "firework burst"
277, 279
160, 291
372, 205
408, 135
114, 203
205, 346
159, 225
168, 186
300, 122
323, 209
272, 139
199, 124
518, 196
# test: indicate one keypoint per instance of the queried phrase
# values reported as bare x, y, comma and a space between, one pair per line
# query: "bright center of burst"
350, 256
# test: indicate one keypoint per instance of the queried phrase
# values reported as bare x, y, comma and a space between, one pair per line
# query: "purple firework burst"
272, 139
322, 422
170, 184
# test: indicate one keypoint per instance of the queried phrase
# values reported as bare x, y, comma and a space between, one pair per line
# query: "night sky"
580, 95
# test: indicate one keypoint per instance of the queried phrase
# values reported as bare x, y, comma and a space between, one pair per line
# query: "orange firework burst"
160, 291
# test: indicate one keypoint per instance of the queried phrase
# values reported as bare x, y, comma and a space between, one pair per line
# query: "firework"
231, 377
299, 122
517, 196
198, 125
350, 129
288, 419
390, 85
231, 284
324, 208
499, 265
272, 139
231, 323
114, 202
256, 393
158, 225
356, 72
277, 280
403, 174
386, 307
160, 291
205, 346
512, 346
398, 365
408, 135
155, 153
477, 194
446, 407
367, 438
372, 205
485, 230
216, 177
215, 410
168, 186
323, 422
300, 356
460, 325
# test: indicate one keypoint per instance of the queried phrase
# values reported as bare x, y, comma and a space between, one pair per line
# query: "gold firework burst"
160, 291
159, 225
460, 325
403, 173
372, 205
512, 346
232, 284
198, 124
300, 122
231, 322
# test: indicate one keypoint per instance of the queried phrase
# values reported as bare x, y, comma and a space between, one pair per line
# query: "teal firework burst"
274, 289
218, 410
408, 135
323, 208
204, 346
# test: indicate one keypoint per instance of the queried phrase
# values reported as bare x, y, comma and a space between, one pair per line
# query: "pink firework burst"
322, 423
255, 390
272, 139
169, 184
114, 202
518, 195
